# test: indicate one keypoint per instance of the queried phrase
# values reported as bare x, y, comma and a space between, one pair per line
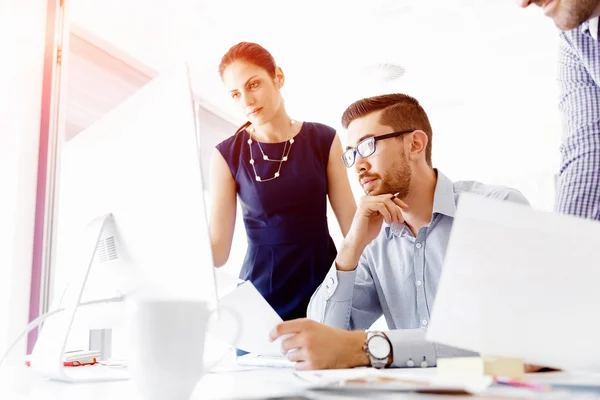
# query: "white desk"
21, 384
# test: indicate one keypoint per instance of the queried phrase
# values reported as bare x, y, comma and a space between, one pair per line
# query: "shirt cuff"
339, 285
411, 349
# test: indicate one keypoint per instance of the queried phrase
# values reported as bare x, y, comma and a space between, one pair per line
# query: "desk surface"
20, 383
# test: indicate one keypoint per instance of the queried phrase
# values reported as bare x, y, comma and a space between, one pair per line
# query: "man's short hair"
400, 111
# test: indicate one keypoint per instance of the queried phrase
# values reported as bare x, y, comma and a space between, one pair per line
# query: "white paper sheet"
226, 283
520, 283
257, 317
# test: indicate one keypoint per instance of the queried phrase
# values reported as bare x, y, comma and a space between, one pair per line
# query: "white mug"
167, 343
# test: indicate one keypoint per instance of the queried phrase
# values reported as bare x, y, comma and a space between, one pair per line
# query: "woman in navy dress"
282, 171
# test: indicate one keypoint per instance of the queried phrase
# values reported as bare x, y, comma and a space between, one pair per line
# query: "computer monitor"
131, 210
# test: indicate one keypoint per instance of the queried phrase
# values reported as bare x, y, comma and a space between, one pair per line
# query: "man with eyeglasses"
390, 261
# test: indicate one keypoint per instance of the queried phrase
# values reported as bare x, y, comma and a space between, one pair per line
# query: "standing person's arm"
340, 195
223, 193
579, 179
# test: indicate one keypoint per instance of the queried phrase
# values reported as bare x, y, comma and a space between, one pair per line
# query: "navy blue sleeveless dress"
289, 247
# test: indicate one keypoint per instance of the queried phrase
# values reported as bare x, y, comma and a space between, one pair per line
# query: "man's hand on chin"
313, 345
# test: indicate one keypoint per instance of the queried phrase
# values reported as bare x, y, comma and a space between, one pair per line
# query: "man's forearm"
348, 256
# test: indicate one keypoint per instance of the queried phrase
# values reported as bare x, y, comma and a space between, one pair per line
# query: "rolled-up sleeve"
346, 300
331, 302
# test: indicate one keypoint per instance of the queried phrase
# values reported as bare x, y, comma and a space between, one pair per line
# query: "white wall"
484, 70
22, 29
147, 30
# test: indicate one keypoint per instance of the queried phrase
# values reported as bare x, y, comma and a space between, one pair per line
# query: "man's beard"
572, 13
396, 181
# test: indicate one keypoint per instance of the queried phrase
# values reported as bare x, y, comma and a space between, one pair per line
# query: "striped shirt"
398, 276
579, 80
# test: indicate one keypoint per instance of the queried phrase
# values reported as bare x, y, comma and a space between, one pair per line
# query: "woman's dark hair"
251, 53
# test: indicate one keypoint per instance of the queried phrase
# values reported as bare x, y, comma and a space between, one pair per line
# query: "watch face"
379, 347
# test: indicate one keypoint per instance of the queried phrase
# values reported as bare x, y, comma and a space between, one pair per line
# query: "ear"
418, 145
279, 77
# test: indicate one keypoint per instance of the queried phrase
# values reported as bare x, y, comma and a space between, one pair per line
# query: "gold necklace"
284, 156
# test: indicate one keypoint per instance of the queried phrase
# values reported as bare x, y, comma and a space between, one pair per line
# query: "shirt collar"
594, 28
443, 197
591, 27
444, 203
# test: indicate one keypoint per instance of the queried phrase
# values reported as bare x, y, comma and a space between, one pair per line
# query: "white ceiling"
483, 69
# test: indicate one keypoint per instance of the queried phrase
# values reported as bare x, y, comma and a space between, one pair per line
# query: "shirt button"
419, 283
419, 245
410, 363
424, 322
328, 288
331, 281
424, 364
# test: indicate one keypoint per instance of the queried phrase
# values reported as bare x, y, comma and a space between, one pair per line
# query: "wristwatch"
379, 349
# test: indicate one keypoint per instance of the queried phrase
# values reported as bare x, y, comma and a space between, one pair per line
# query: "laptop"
519, 282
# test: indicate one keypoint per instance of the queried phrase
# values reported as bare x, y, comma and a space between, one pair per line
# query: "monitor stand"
47, 355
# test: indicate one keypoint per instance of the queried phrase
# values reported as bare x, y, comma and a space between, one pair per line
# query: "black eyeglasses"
367, 147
